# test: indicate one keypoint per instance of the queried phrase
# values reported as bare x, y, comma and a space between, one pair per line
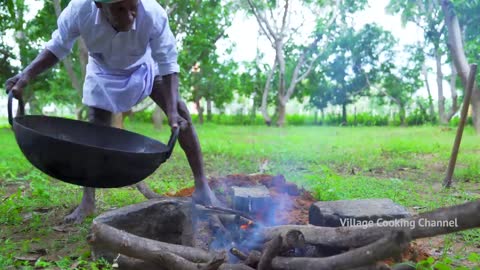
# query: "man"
132, 55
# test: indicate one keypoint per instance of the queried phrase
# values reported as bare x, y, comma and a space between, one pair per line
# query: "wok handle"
172, 140
10, 113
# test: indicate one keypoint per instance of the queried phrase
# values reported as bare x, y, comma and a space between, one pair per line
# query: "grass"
404, 164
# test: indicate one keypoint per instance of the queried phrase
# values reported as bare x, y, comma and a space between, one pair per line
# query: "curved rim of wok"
18, 121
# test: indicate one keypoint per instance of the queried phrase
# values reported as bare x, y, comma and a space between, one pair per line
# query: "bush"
366, 119
231, 120
417, 118
456, 120
143, 116
300, 120
360, 119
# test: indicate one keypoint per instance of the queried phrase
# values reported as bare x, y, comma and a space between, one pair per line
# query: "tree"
251, 83
198, 25
320, 92
427, 15
353, 62
273, 17
399, 86
456, 41
215, 82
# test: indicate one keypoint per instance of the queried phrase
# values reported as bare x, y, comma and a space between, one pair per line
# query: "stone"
167, 220
252, 199
331, 213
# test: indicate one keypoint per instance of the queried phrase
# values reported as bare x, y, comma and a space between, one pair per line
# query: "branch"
171, 9
271, 250
284, 19
295, 80
268, 31
141, 248
387, 247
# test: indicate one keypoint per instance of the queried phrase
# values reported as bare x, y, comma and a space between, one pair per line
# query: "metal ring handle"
9, 107
172, 141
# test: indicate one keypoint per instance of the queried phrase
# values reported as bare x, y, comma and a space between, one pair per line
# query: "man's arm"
45, 60
170, 83
164, 53
171, 96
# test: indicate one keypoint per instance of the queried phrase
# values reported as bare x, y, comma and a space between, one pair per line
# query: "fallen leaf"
27, 216
63, 229
29, 258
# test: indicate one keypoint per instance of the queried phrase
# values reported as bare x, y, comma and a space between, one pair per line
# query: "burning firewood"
384, 248
145, 249
254, 245
466, 216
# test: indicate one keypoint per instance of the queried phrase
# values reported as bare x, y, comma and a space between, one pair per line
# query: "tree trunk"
430, 99
268, 83
117, 120
200, 111
315, 117
455, 44
453, 90
253, 110
157, 117
281, 113
441, 97
282, 87
209, 110
344, 114
402, 113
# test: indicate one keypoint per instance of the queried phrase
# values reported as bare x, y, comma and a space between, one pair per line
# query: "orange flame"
246, 226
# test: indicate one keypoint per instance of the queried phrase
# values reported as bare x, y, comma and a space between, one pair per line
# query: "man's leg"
190, 144
87, 205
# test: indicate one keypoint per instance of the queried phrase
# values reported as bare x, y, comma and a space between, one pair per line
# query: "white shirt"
121, 65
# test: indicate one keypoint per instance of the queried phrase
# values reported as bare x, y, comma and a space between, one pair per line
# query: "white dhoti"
118, 90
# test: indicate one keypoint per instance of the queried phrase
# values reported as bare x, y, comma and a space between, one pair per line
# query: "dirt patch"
10, 188
295, 201
296, 211
43, 235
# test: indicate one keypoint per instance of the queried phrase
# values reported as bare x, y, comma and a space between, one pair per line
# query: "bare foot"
205, 196
82, 211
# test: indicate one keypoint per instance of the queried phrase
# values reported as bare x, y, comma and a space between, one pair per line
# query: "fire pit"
256, 232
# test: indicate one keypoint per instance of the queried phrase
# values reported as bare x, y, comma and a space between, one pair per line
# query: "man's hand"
175, 121
17, 84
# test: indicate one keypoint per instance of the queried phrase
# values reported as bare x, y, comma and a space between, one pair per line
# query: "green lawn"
404, 164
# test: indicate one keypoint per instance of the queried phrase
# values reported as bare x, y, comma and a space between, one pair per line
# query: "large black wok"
86, 154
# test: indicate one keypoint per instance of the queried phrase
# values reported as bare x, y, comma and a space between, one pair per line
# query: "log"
387, 247
374, 267
465, 215
238, 253
293, 239
271, 250
253, 258
218, 228
234, 267
128, 263
141, 248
